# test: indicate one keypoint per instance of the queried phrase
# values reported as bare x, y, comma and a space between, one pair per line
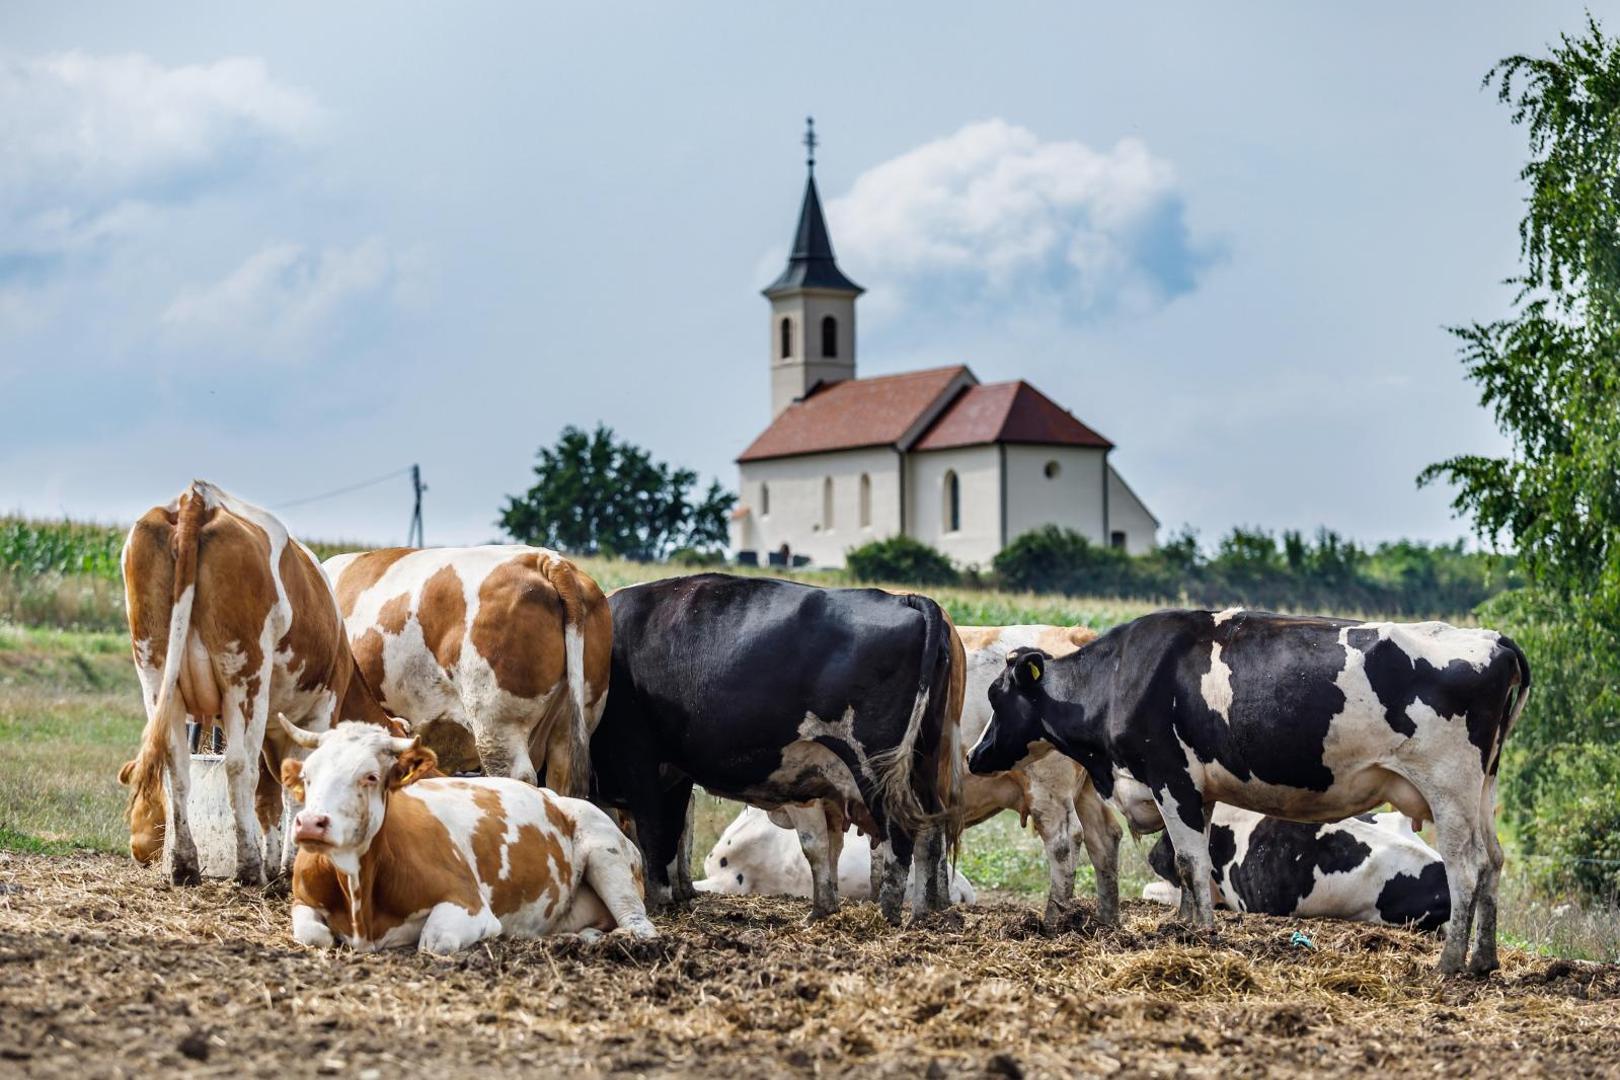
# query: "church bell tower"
812, 305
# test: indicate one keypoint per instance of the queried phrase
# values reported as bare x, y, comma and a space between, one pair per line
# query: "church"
966, 467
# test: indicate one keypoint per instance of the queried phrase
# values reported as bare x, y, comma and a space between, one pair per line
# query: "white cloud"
90, 144
283, 301
993, 215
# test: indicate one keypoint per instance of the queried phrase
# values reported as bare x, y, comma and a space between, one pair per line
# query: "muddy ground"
104, 972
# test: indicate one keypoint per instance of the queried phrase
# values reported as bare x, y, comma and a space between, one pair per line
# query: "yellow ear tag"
1035, 671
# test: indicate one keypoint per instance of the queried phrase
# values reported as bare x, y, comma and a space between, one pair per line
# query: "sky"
293, 248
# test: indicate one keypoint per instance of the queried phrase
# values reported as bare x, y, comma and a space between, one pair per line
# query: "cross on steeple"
810, 142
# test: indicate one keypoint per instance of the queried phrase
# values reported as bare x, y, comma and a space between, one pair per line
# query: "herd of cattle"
863, 730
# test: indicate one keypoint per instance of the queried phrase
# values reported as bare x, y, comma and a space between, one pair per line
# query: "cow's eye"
370, 779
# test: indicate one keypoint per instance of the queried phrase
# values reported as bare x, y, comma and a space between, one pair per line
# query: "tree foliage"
597, 495
1326, 574
1550, 372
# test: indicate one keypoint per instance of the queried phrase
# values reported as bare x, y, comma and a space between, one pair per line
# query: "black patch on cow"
1222, 849
722, 862
1423, 901
739, 879
1368, 818
1163, 860
1279, 868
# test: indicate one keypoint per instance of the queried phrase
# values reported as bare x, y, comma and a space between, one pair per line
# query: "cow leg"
1193, 864
610, 871
1484, 959
270, 808
179, 849
661, 817
810, 825
451, 928
244, 736
503, 750
309, 927
891, 894
880, 863
1101, 834
1056, 823
681, 883
930, 871
1457, 839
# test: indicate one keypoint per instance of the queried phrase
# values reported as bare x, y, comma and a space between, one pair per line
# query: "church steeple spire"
811, 264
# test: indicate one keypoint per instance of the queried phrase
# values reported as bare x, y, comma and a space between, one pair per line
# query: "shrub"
1054, 559
1573, 841
902, 560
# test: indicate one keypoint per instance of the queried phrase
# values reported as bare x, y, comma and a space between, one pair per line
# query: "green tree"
596, 495
1551, 371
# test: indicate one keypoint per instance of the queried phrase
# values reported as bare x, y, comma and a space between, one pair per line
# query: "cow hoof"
590, 936
185, 874
1484, 967
250, 877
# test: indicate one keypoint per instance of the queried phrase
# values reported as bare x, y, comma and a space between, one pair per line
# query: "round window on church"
1052, 469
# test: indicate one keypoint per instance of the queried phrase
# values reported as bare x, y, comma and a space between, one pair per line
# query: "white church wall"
1072, 498
978, 471
1127, 514
796, 503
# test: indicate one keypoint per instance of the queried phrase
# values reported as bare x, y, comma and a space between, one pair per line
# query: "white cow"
758, 856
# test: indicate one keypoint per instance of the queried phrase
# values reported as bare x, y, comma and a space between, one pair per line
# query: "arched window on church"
787, 337
953, 502
829, 336
826, 503
866, 501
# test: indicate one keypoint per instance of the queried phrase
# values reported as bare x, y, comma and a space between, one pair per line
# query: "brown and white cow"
1046, 787
230, 618
386, 859
511, 644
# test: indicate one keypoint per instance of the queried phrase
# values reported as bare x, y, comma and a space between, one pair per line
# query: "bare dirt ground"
105, 972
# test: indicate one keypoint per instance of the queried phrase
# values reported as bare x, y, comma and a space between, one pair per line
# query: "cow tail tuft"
561, 574
902, 787
145, 774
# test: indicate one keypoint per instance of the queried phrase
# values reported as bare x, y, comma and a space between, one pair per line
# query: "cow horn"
309, 740
399, 745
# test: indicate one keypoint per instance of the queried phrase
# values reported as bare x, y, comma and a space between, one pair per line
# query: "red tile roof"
1009, 412
853, 413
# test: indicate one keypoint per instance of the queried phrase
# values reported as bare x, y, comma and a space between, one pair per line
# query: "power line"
342, 490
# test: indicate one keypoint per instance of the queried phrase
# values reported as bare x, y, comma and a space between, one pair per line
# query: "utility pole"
414, 537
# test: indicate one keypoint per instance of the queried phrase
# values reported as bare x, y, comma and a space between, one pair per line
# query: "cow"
775, 693
229, 618
1369, 868
759, 854
1047, 788
1305, 718
508, 644
391, 853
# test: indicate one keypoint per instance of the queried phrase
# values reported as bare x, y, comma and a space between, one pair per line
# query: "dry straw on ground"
105, 971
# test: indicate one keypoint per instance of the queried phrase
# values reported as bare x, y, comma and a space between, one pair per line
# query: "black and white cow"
1368, 868
775, 693
1310, 719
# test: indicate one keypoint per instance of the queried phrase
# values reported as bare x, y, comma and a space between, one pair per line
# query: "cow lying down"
1370, 868
762, 856
391, 853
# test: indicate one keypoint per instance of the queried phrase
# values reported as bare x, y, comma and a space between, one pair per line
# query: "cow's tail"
953, 762
144, 775
904, 790
563, 577
1521, 696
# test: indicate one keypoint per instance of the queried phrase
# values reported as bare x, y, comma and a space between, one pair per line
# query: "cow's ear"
414, 764
292, 777
1030, 671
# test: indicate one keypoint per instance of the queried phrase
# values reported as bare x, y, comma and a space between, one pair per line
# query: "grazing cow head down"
1018, 699
345, 781
145, 820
